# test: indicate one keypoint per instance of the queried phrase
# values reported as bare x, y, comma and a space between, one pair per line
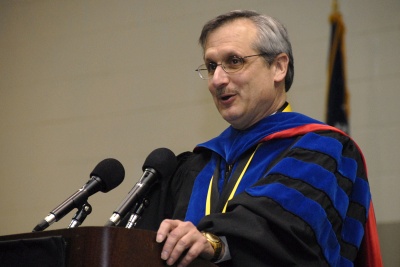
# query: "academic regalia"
288, 191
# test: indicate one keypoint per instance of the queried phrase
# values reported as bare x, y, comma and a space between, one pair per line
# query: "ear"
281, 66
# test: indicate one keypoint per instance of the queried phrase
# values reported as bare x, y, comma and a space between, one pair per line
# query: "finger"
189, 241
169, 232
165, 227
195, 250
173, 245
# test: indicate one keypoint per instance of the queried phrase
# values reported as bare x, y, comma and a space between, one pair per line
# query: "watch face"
212, 238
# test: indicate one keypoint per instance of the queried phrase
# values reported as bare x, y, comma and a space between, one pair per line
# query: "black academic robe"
301, 195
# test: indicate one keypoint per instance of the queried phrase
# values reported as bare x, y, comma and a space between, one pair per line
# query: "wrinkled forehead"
237, 36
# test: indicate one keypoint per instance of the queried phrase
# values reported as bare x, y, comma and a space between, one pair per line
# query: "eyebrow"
227, 55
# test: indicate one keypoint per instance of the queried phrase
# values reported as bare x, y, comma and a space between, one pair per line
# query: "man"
274, 189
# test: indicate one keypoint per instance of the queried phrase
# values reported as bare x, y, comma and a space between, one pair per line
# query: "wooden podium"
93, 246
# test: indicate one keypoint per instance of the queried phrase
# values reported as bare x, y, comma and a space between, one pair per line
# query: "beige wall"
81, 81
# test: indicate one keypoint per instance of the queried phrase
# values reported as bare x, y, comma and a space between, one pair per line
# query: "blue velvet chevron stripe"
332, 147
358, 195
353, 231
311, 212
317, 177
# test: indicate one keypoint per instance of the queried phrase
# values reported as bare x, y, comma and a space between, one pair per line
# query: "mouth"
226, 96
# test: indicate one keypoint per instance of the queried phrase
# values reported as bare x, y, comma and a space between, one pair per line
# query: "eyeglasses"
229, 65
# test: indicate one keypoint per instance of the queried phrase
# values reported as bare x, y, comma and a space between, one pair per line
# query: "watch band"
216, 244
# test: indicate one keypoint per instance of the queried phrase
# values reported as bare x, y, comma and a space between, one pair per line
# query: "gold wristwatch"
216, 244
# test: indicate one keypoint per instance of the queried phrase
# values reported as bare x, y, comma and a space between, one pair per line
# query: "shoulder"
334, 146
189, 165
193, 160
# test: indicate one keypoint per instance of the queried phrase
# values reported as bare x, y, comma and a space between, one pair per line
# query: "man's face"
244, 97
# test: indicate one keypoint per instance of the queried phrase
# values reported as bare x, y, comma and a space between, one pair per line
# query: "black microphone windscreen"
162, 160
111, 172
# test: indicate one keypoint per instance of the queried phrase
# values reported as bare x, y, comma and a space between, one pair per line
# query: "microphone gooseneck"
159, 164
107, 175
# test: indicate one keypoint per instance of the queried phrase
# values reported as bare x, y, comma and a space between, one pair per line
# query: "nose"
219, 78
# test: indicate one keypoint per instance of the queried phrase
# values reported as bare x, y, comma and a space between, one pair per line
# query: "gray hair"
272, 37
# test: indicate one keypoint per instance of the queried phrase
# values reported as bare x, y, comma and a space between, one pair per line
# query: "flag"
337, 98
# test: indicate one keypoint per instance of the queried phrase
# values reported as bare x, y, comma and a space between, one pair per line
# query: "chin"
232, 120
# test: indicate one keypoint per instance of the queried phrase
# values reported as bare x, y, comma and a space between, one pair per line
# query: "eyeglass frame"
241, 59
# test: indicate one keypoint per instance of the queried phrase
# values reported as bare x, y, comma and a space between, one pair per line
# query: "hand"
180, 237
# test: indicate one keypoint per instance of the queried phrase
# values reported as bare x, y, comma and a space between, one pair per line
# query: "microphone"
159, 164
107, 175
